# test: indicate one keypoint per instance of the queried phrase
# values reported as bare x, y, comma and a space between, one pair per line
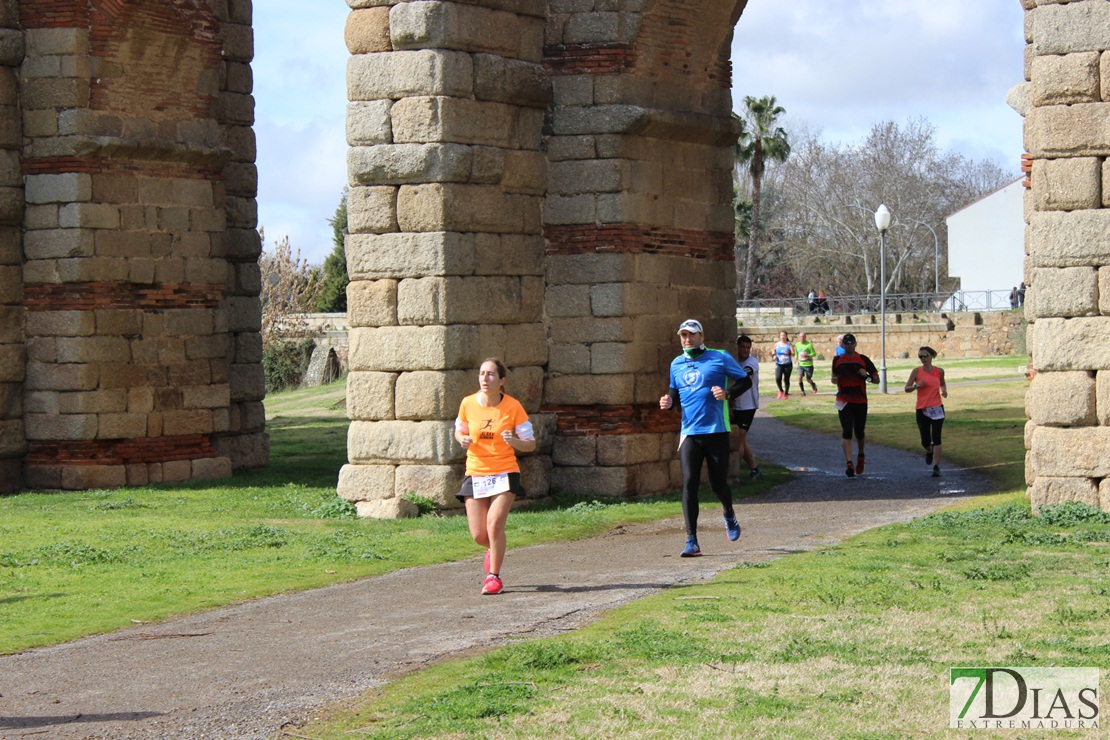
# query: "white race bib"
489, 485
933, 412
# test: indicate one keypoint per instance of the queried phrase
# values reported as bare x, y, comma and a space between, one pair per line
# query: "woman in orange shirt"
928, 381
492, 427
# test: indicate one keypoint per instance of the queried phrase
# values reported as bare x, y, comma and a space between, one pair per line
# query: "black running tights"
713, 449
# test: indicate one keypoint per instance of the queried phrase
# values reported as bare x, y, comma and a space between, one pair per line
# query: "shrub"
284, 363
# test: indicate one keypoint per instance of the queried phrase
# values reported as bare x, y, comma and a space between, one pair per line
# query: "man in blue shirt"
699, 380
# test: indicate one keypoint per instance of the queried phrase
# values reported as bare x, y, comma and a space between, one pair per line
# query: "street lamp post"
882, 221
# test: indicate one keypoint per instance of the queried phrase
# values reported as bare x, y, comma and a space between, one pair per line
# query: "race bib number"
933, 412
490, 485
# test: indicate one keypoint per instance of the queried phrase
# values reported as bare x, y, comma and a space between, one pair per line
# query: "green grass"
74, 564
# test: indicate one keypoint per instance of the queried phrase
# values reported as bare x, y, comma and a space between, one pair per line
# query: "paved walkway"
246, 671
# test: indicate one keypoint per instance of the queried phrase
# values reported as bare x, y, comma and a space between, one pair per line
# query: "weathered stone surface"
367, 31
612, 482
410, 348
394, 508
1068, 184
437, 482
575, 451
1068, 130
1063, 293
509, 254
1104, 291
405, 255
524, 344
1072, 239
628, 449
372, 210
607, 358
438, 119
442, 25
433, 395
372, 303
1066, 79
436, 207
368, 123
370, 396
366, 482
1046, 491
396, 442
1102, 391
579, 390
1073, 27
510, 81
1061, 399
1053, 344
1073, 452
470, 300
396, 164
400, 74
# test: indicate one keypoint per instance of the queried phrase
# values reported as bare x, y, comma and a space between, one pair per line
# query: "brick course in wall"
638, 239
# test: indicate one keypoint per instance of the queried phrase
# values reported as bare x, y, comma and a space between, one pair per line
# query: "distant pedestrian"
492, 427
1014, 297
1021, 294
812, 298
852, 372
699, 383
784, 364
805, 352
744, 403
928, 381
839, 345
822, 302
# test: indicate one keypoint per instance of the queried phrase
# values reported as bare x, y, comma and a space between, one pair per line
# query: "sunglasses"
923, 356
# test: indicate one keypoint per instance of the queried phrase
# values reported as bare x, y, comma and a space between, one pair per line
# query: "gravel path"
247, 671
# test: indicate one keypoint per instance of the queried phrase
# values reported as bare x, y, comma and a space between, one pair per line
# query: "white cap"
691, 325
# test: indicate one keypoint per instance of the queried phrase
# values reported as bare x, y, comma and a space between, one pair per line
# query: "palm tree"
760, 139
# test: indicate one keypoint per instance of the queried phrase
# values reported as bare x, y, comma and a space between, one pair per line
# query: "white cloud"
846, 65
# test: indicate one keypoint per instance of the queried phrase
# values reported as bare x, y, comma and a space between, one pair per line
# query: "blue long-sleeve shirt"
693, 380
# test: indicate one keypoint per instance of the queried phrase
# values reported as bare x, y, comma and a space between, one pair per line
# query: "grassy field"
854, 641
81, 563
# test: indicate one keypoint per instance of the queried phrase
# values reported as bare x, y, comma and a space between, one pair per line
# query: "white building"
986, 244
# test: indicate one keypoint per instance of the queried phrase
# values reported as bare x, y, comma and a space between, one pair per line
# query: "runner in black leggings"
784, 364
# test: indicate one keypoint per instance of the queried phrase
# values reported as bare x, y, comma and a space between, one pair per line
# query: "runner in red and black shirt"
852, 372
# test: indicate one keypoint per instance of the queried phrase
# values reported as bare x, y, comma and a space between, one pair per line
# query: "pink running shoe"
485, 562
492, 585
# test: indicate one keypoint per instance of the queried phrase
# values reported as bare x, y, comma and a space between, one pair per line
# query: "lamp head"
882, 218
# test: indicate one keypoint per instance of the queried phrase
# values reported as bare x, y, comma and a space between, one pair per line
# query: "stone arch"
544, 180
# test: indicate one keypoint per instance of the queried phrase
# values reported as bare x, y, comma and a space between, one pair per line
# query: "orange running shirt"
929, 392
489, 454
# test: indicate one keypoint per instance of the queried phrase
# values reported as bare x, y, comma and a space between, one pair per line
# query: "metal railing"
961, 300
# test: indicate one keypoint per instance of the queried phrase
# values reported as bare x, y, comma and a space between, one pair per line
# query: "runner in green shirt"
806, 353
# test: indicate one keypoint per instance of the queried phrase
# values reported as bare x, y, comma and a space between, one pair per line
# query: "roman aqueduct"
542, 180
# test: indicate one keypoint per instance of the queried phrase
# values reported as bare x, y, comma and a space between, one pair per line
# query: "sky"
838, 67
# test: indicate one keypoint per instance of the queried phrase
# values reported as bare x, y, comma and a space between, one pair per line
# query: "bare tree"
290, 287
828, 194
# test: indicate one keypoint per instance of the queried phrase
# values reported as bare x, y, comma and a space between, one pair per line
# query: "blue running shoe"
733, 527
755, 473
691, 550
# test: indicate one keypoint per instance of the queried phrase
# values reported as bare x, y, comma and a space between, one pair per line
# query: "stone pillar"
136, 307
445, 251
639, 228
1067, 267
12, 357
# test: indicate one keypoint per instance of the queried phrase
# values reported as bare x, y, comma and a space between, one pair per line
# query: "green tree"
761, 139
333, 291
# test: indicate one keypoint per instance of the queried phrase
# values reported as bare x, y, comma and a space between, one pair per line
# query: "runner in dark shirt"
852, 372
